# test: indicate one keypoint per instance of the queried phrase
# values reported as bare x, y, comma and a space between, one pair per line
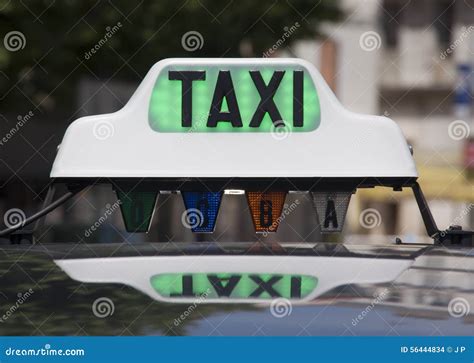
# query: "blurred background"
409, 60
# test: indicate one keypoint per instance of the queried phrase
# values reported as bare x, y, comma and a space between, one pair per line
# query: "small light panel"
233, 285
201, 210
266, 208
234, 192
137, 209
234, 98
331, 208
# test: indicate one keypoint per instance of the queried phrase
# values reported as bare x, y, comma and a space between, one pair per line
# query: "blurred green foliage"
58, 34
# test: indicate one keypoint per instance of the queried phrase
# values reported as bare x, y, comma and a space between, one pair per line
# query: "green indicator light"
137, 209
234, 285
240, 98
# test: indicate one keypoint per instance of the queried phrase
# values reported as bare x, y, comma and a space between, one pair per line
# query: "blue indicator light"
201, 210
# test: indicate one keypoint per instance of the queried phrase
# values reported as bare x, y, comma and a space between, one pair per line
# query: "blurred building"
411, 61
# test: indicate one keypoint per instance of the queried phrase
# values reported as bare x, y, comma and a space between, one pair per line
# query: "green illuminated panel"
233, 285
137, 209
294, 97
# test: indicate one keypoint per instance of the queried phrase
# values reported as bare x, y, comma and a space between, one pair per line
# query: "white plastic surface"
344, 145
330, 271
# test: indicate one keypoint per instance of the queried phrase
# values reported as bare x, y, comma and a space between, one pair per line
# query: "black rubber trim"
257, 184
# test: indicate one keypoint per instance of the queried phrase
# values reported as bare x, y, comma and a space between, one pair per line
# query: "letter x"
265, 286
266, 93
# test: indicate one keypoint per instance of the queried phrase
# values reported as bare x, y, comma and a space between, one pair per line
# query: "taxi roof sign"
248, 118
267, 126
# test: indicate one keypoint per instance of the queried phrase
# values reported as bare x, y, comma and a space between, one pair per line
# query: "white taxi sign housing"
226, 118
266, 126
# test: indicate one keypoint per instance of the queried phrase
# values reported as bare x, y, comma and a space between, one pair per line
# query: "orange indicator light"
266, 208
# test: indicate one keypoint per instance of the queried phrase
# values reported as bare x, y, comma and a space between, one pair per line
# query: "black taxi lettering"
224, 91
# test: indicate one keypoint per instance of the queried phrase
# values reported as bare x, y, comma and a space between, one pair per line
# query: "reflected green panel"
233, 285
137, 209
165, 107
